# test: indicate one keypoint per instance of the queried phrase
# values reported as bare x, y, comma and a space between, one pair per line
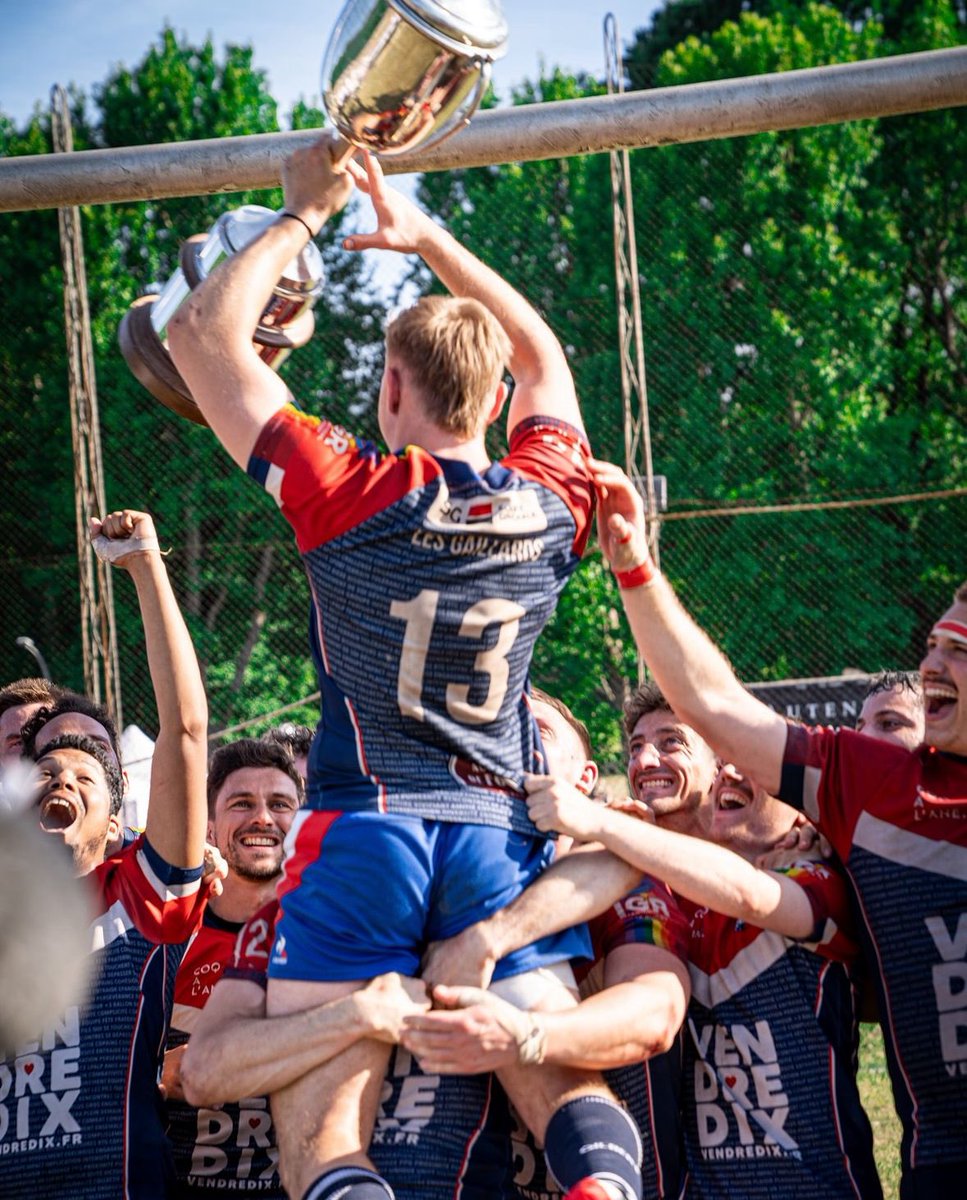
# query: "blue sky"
62, 41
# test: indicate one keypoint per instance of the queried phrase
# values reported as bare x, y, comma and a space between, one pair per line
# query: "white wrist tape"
111, 549
527, 1030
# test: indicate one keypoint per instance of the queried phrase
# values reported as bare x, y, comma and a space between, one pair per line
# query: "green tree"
772, 297
237, 577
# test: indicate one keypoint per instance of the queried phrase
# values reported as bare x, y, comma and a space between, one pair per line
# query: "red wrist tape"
639, 576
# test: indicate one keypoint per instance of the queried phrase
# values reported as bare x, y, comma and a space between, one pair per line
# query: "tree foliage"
239, 582
803, 299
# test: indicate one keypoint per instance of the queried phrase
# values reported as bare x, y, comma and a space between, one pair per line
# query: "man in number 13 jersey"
432, 572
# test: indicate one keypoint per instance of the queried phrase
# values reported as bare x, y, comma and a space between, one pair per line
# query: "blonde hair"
457, 349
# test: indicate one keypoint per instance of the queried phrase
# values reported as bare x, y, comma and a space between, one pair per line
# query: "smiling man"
71, 1100
670, 768
79, 797
896, 818
254, 791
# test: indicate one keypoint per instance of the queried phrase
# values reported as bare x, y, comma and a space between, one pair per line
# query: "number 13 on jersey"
420, 618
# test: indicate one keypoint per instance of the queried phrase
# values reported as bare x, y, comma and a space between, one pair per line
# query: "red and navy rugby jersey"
770, 1102
436, 1137
430, 584
80, 1112
229, 1148
898, 821
650, 1090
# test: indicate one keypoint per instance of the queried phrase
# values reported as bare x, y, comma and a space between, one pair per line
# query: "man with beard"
896, 818
770, 1102
80, 1116
254, 791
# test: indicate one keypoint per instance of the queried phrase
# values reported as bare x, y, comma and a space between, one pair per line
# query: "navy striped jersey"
770, 1101
650, 1090
80, 1112
436, 1137
430, 584
898, 820
228, 1149
441, 1137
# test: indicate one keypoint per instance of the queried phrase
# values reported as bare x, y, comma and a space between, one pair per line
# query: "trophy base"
151, 364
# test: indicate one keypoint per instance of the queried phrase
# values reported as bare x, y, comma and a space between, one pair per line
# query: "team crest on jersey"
506, 513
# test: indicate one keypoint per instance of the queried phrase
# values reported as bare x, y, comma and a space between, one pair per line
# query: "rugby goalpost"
906, 83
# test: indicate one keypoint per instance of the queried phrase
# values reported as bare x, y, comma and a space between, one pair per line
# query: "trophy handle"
341, 151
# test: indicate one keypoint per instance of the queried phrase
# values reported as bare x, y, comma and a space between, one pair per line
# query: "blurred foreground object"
44, 938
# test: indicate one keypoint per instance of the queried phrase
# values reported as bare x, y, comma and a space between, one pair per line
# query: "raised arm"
578, 887
210, 337
177, 808
701, 871
542, 379
237, 1051
694, 675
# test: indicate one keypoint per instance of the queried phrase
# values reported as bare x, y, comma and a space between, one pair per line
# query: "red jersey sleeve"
325, 480
833, 934
830, 773
649, 915
140, 890
556, 454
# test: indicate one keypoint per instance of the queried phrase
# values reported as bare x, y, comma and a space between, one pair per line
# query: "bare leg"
325, 1119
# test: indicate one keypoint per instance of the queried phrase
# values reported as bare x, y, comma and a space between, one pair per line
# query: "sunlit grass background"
877, 1099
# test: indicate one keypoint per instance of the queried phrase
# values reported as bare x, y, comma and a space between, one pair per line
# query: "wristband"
296, 217
643, 575
525, 1027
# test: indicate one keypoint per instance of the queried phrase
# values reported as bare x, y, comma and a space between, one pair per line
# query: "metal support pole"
634, 381
696, 112
98, 634
631, 342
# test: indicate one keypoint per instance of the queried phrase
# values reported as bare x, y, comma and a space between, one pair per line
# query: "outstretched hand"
621, 517
400, 225
123, 535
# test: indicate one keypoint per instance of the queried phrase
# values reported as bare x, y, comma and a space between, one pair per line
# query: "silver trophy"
399, 76
396, 76
286, 323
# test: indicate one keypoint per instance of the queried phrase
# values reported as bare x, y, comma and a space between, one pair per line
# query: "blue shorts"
365, 893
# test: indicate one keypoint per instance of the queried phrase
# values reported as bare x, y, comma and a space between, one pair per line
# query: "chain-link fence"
803, 315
